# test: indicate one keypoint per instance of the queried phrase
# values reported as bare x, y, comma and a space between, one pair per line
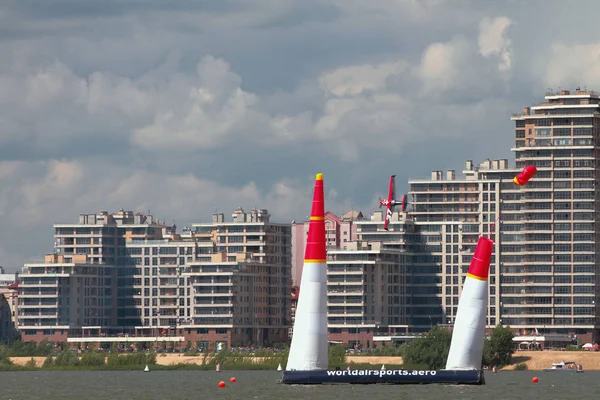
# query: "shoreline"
535, 360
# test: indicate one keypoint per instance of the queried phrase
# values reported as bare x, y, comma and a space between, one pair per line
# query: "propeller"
380, 203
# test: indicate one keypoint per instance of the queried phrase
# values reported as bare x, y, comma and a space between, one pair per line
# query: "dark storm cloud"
179, 106
62, 9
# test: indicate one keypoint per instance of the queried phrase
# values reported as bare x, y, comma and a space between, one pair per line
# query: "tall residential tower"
554, 282
543, 276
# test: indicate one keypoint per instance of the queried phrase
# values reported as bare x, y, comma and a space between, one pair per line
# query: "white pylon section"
309, 348
466, 349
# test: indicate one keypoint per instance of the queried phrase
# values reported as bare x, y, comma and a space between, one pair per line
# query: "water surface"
195, 385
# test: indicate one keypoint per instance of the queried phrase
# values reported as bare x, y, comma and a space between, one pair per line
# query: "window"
562, 132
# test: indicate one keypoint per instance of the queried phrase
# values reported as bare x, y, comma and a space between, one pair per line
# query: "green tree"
4, 355
499, 347
337, 354
17, 348
44, 348
89, 358
429, 352
48, 362
66, 358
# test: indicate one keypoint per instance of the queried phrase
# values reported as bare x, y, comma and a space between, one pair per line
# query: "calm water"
194, 385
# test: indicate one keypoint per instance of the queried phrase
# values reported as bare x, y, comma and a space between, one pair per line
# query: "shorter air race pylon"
466, 349
309, 348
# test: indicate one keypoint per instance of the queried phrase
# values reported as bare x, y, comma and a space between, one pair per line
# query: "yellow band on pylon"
476, 277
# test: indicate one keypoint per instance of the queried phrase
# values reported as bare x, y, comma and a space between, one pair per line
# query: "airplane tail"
404, 203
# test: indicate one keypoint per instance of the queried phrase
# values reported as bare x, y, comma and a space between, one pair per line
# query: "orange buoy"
534, 379
221, 384
232, 379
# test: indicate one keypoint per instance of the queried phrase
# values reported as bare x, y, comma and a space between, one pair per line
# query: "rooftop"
577, 93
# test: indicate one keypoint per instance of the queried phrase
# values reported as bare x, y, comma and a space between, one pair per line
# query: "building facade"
543, 276
556, 284
449, 216
366, 292
225, 283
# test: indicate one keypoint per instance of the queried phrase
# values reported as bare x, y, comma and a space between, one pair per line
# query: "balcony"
344, 279
215, 294
207, 302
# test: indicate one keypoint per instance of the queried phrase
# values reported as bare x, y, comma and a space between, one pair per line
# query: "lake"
261, 385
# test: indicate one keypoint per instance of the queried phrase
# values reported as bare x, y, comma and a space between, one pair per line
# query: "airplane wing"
388, 209
404, 202
392, 191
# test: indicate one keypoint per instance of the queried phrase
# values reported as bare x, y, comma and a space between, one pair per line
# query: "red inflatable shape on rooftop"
525, 175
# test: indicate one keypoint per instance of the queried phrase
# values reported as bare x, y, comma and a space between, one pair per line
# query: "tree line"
431, 351
427, 352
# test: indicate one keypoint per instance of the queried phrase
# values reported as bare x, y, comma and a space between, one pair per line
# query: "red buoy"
221, 384
232, 379
534, 379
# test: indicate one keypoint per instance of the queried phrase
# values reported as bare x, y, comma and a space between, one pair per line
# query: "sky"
180, 108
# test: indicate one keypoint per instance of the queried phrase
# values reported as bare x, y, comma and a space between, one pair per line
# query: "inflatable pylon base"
389, 376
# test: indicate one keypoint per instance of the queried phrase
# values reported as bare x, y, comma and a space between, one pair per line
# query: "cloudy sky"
181, 107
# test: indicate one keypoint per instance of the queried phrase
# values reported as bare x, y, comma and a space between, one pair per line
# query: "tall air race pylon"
309, 348
466, 349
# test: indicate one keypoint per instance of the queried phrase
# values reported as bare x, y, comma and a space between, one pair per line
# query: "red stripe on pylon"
480, 264
316, 248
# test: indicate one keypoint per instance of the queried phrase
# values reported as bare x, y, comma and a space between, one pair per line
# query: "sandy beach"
535, 360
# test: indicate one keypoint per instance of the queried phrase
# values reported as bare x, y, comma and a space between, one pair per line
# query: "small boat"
562, 366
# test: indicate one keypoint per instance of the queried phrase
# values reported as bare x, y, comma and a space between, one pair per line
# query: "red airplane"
390, 202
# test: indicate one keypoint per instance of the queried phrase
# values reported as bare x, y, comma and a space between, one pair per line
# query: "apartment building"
266, 247
87, 286
366, 292
555, 287
128, 274
449, 215
58, 299
543, 274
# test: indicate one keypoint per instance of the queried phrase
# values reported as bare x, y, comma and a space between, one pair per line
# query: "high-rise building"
543, 273
449, 215
264, 308
555, 284
126, 274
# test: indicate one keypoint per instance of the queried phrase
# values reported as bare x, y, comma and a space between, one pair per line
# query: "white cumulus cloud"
493, 40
